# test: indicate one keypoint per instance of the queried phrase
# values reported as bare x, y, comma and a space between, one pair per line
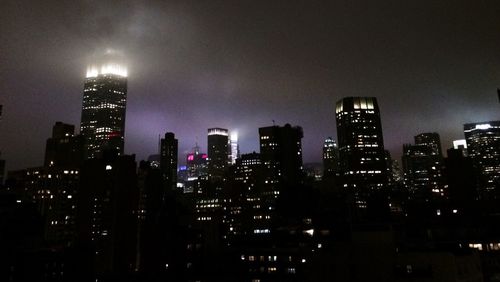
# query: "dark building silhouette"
281, 155
103, 109
282, 172
363, 169
422, 166
330, 158
483, 145
461, 179
107, 216
218, 152
168, 160
64, 149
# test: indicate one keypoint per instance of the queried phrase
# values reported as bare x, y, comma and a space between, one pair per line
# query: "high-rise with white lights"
103, 110
235, 150
218, 152
330, 157
363, 167
483, 145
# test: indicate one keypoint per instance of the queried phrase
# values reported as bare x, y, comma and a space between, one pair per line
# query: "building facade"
281, 156
330, 158
168, 160
218, 152
103, 109
363, 170
64, 148
483, 145
423, 168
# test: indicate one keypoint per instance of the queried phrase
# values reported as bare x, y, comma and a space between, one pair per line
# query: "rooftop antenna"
274, 123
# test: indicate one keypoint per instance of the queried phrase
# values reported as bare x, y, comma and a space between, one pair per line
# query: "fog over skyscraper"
103, 107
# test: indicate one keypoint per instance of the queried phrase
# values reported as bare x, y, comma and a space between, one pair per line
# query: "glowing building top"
115, 69
218, 131
104, 107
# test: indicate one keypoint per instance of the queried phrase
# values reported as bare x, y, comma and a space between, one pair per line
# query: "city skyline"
189, 71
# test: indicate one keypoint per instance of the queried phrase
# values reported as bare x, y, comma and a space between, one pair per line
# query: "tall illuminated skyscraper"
103, 110
235, 151
363, 169
483, 145
218, 152
330, 157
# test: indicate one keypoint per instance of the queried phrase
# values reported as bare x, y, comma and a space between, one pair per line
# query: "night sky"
433, 65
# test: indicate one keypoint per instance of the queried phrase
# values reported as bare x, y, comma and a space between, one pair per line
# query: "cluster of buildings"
92, 213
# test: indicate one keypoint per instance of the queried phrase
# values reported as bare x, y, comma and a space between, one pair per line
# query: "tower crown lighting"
115, 69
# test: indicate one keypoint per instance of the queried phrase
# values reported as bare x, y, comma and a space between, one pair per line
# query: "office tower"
483, 145
196, 164
52, 190
64, 149
422, 173
196, 170
218, 152
430, 139
103, 110
168, 160
247, 172
281, 155
108, 215
422, 166
330, 158
235, 151
363, 170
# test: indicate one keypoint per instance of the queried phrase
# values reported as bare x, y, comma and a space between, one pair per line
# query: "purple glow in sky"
193, 65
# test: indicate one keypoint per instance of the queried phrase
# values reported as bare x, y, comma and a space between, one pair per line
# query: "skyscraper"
483, 145
363, 168
103, 110
218, 152
422, 165
108, 200
330, 157
196, 163
235, 151
168, 160
432, 140
64, 149
281, 155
